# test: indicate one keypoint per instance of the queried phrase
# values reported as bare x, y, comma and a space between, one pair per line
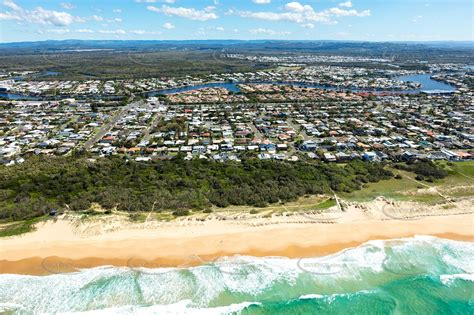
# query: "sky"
366, 20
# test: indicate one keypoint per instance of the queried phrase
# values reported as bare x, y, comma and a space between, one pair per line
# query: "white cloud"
308, 25
347, 4
262, 1
168, 26
268, 32
220, 28
114, 32
297, 7
143, 32
59, 31
39, 15
342, 12
299, 13
67, 5
84, 30
209, 8
97, 18
188, 13
293, 15
154, 1
417, 18
12, 5
117, 10
9, 16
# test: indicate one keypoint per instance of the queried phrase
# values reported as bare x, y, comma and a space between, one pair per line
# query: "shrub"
181, 213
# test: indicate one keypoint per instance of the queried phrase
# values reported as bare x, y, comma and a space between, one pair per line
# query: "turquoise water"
420, 275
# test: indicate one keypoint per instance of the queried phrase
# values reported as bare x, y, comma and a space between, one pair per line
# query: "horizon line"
247, 40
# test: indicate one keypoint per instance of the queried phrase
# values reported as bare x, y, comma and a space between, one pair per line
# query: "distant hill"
310, 46
117, 59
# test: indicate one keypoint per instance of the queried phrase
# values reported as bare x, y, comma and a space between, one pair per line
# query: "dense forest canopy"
44, 183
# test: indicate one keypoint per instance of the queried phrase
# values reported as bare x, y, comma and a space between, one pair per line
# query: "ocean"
419, 275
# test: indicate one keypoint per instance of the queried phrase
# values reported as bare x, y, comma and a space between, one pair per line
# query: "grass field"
459, 183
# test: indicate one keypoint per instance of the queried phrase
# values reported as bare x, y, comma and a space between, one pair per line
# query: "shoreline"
60, 247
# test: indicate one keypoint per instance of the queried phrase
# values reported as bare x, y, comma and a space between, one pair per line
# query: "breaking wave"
413, 275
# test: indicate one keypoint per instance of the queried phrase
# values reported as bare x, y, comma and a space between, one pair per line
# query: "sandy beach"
64, 245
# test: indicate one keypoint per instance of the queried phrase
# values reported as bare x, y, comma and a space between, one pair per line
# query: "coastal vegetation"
20, 227
424, 170
43, 184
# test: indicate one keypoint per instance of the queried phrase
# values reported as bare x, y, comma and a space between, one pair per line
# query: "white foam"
243, 274
109, 287
182, 307
311, 296
10, 307
449, 279
331, 297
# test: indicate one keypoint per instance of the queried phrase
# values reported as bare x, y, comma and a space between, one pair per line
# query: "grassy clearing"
163, 216
17, 228
463, 169
326, 204
137, 217
459, 183
392, 188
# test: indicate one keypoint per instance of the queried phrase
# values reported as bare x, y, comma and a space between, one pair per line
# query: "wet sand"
56, 247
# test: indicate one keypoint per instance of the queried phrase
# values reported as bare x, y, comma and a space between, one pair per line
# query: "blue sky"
373, 20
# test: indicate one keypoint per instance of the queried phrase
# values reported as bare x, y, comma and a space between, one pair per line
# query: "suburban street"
154, 122
296, 127
108, 126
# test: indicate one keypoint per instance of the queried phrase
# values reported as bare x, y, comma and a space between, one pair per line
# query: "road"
152, 125
297, 128
257, 134
108, 126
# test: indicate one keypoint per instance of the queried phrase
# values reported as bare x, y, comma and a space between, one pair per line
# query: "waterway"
427, 84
